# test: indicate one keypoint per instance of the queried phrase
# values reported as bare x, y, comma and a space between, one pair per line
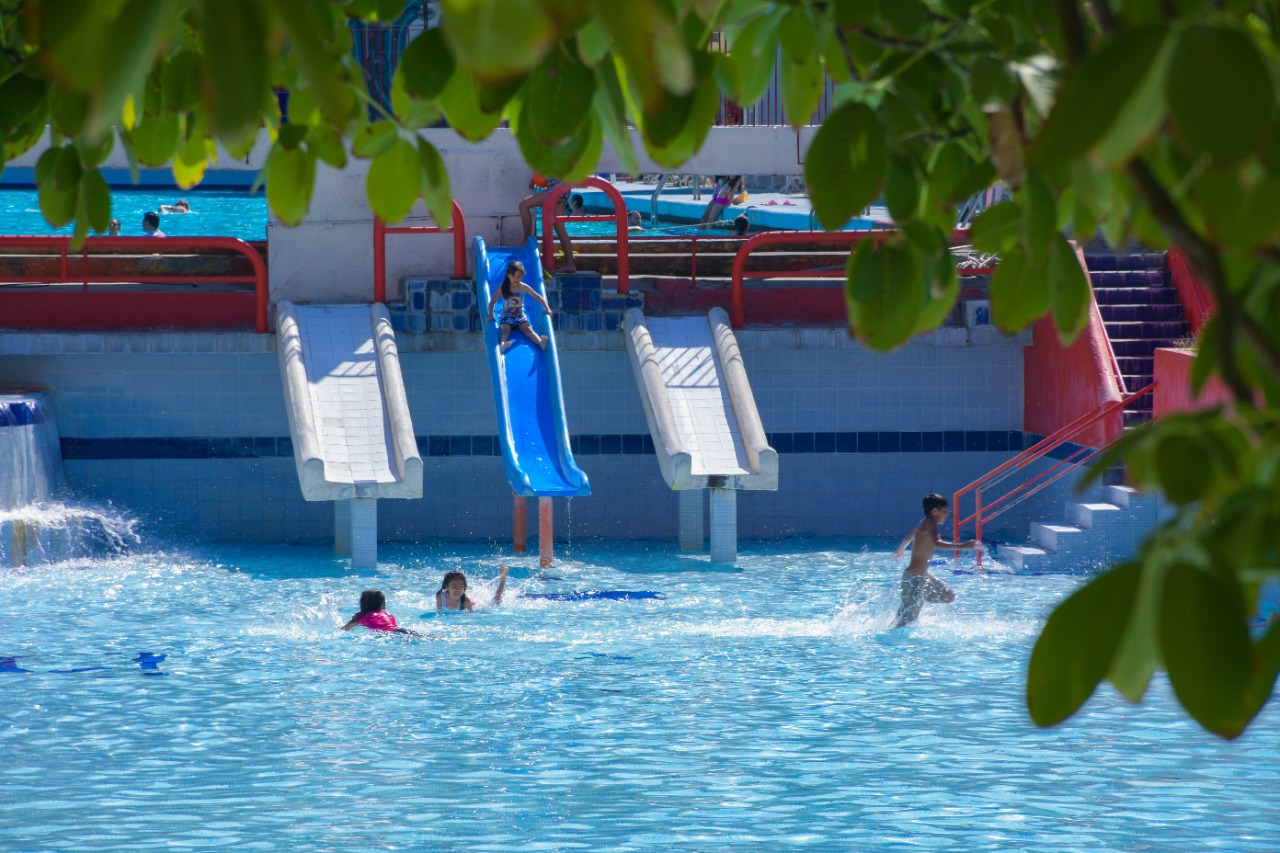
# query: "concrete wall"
189, 431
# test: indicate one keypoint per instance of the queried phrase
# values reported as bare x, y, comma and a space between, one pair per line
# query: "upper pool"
214, 213
196, 699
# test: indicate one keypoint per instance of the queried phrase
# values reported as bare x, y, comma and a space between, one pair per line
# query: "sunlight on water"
205, 697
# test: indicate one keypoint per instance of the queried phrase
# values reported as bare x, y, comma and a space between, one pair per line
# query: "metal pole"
545, 538
519, 524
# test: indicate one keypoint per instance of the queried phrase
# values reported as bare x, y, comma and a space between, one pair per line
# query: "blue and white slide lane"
527, 391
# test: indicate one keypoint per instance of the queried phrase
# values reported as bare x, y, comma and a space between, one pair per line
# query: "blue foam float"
595, 595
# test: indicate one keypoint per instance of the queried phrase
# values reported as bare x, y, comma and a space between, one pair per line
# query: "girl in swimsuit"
512, 295
373, 614
452, 594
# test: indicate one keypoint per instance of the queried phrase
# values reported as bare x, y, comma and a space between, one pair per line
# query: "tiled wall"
190, 432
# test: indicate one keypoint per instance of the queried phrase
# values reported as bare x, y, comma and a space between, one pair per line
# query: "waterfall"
36, 527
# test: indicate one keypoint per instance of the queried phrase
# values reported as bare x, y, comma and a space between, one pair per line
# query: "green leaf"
461, 103
845, 165
1019, 291
950, 167
93, 154
754, 50
568, 160
426, 65
1079, 641
1183, 468
291, 177
1221, 98
375, 139
1070, 291
609, 106
796, 35
671, 150
67, 171
497, 39
991, 85
68, 110
1096, 95
58, 206
1207, 650
998, 228
154, 139
941, 287
22, 98
324, 143
801, 83
183, 75
902, 188
435, 183
593, 42
559, 97
1138, 655
394, 181
1039, 217
883, 290
315, 39
95, 196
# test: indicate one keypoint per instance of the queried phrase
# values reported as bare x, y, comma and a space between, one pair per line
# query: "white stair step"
1022, 557
1054, 537
1094, 514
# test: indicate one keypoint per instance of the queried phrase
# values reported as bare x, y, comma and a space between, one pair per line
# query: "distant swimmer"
918, 586
452, 594
182, 206
635, 222
151, 224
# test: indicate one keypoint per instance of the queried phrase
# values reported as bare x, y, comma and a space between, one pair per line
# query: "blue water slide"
526, 384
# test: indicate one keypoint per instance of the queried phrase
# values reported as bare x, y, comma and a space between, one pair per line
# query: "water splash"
53, 532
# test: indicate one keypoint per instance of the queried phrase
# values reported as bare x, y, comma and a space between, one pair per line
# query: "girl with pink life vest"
373, 614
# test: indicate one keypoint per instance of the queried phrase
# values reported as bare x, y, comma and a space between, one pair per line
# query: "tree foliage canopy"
1147, 119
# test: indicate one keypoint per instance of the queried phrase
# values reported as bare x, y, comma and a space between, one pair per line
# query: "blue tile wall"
195, 437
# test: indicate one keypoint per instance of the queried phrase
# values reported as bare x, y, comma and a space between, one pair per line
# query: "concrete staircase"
1141, 312
1104, 528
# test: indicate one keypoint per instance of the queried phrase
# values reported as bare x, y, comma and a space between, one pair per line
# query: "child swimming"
452, 594
373, 614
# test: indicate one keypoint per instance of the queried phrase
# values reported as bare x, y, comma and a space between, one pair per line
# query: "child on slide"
452, 594
513, 316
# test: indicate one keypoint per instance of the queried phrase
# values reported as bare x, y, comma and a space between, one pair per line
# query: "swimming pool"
206, 698
215, 213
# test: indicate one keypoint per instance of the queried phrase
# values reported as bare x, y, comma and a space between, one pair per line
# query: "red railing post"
379, 260
459, 241
549, 219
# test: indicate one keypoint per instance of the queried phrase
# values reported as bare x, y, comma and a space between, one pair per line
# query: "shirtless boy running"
918, 586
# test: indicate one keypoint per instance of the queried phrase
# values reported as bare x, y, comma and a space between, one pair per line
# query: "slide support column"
724, 525
546, 539
364, 533
342, 528
519, 524
691, 529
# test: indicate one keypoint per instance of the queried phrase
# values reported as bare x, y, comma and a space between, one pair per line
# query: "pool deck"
766, 210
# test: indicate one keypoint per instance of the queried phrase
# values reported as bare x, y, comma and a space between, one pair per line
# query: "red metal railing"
985, 512
619, 216
774, 238
380, 231
152, 246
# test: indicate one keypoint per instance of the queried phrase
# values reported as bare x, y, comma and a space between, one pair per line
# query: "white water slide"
702, 416
349, 419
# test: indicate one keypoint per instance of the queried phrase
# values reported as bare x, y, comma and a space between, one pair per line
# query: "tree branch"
1074, 35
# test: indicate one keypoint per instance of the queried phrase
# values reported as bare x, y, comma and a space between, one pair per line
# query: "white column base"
342, 528
364, 533
691, 529
724, 525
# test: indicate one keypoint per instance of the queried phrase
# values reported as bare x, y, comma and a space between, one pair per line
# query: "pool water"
197, 698
214, 213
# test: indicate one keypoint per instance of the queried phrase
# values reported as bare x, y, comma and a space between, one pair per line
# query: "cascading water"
34, 527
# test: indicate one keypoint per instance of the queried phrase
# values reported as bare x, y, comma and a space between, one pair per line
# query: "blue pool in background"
764, 708
215, 212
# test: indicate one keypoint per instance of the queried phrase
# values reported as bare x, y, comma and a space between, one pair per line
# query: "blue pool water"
215, 213
198, 699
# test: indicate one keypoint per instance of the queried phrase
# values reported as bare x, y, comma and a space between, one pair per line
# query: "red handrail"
458, 227
153, 246
619, 216
773, 238
983, 514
